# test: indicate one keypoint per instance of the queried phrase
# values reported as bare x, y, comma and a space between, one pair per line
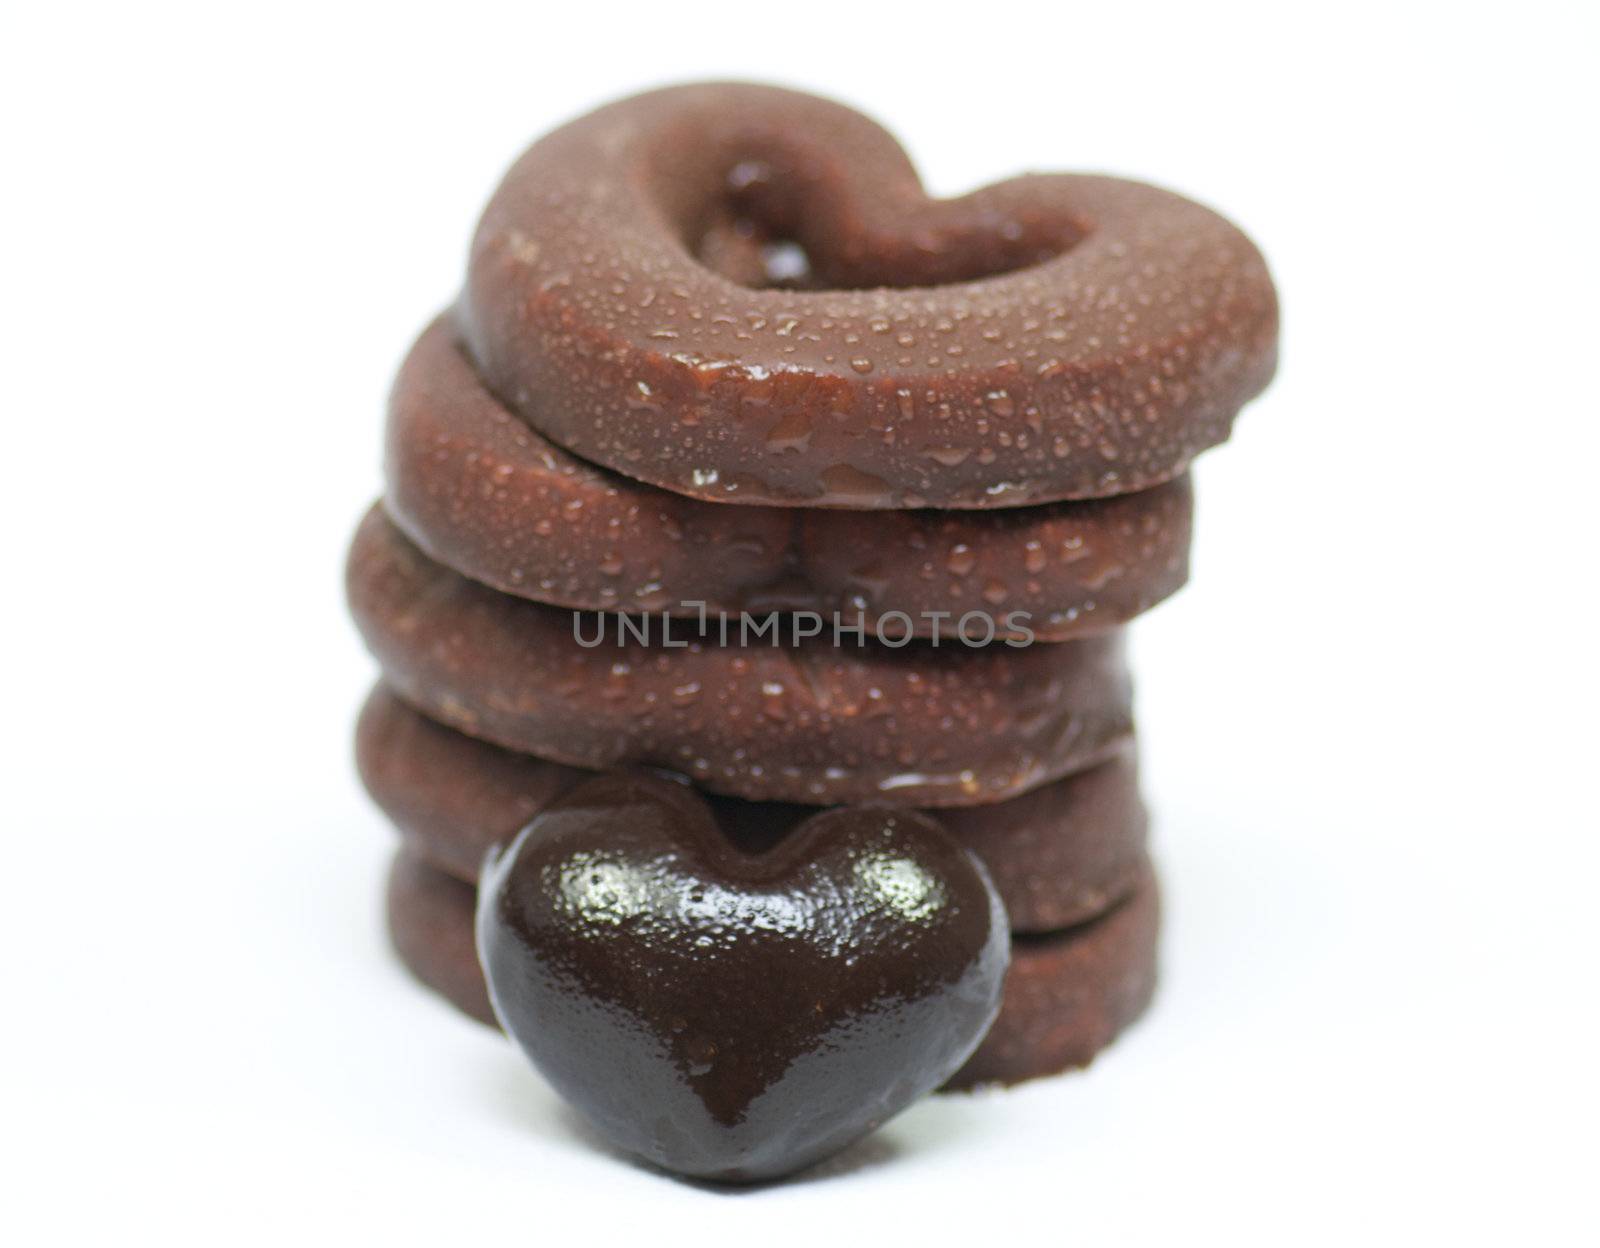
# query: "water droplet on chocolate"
791, 433
846, 484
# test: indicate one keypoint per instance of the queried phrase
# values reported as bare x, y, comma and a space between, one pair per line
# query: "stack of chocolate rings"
742, 459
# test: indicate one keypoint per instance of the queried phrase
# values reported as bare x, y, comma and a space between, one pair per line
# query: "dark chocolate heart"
738, 1017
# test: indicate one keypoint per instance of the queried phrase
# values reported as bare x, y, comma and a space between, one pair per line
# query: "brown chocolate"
1066, 996
1058, 855
729, 1016
480, 491
1044, 338
1070, 994
810, 722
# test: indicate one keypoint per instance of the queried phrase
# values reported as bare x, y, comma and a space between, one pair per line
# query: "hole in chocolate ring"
776, 214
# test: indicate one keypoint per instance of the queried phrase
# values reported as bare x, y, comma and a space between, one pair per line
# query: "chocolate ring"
812, 722
1058, 855
1045, 338
1066, 995
481, 492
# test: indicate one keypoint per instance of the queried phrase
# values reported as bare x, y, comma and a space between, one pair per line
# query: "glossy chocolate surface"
744, 294
733, 1017
480, 491
1067, 994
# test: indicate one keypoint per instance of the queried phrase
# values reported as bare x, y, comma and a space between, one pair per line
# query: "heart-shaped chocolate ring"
1059, 855
759, 717
481, 492
744, 294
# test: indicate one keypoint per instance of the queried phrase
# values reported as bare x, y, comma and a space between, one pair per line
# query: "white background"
1368, 724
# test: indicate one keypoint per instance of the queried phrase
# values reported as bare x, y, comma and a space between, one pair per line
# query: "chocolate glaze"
480, 491
1047, 337
1058, 855
1066, 995
812, 723
733, 1017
